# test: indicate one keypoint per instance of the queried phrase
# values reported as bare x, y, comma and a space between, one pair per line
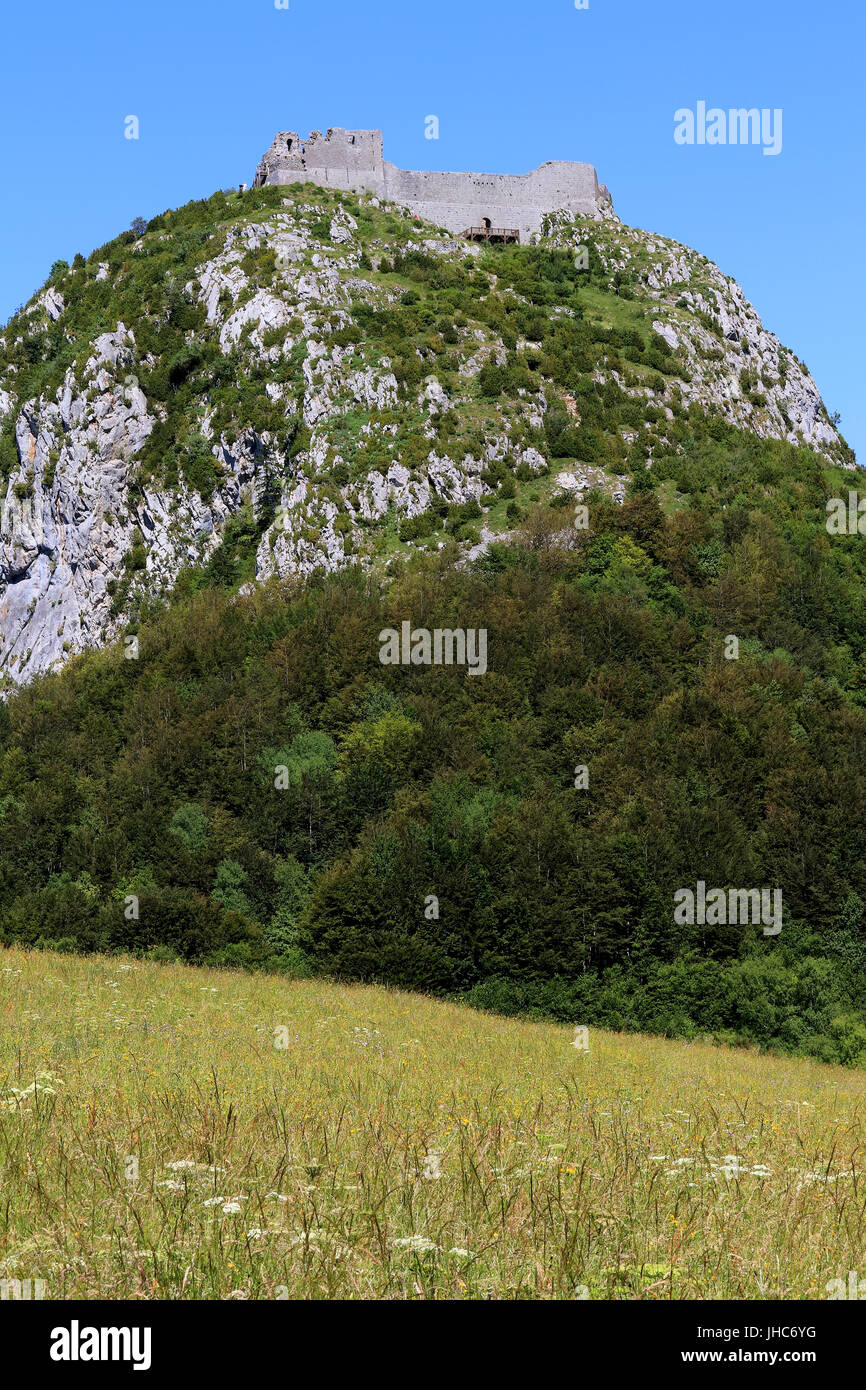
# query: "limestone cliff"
285, 379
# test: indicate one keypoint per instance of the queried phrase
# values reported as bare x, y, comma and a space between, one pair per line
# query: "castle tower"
347, 159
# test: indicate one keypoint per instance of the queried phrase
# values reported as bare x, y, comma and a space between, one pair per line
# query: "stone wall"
353, 160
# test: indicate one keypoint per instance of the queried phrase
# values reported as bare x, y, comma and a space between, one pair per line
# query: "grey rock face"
67, 524
785, 402
79, 542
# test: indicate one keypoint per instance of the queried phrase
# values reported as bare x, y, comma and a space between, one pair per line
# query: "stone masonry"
353, 161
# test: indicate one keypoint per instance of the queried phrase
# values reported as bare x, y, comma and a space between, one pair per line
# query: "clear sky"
513, 82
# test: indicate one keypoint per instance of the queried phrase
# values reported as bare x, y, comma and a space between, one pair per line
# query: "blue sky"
513, 83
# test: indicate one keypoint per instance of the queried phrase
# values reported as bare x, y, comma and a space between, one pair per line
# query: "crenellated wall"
353, 160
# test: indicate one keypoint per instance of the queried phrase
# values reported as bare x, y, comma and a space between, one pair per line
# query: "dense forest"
675, 686
256, 789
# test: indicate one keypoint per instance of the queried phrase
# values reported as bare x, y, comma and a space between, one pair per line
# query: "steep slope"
293, 378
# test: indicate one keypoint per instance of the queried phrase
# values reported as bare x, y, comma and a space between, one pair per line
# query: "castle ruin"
499, 206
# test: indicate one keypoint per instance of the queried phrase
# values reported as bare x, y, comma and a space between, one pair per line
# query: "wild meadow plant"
178, 1133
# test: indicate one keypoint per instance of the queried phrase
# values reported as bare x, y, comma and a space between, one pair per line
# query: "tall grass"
161, 1137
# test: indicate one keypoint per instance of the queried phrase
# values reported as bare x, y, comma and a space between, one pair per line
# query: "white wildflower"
417, 1244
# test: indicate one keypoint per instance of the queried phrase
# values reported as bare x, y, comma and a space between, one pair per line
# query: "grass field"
168, 1132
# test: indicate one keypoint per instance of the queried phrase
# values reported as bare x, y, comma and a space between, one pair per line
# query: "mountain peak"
300, 377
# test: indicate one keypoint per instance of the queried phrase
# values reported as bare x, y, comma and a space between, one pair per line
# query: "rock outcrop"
341, 440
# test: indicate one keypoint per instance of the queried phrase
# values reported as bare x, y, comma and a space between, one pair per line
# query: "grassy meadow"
177, 1133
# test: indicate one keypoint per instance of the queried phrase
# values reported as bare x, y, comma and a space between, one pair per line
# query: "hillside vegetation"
301, 379
183, 1134
257, 789
142, 803
246, 438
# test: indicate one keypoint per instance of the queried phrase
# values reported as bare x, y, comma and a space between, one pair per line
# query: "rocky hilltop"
297, 377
